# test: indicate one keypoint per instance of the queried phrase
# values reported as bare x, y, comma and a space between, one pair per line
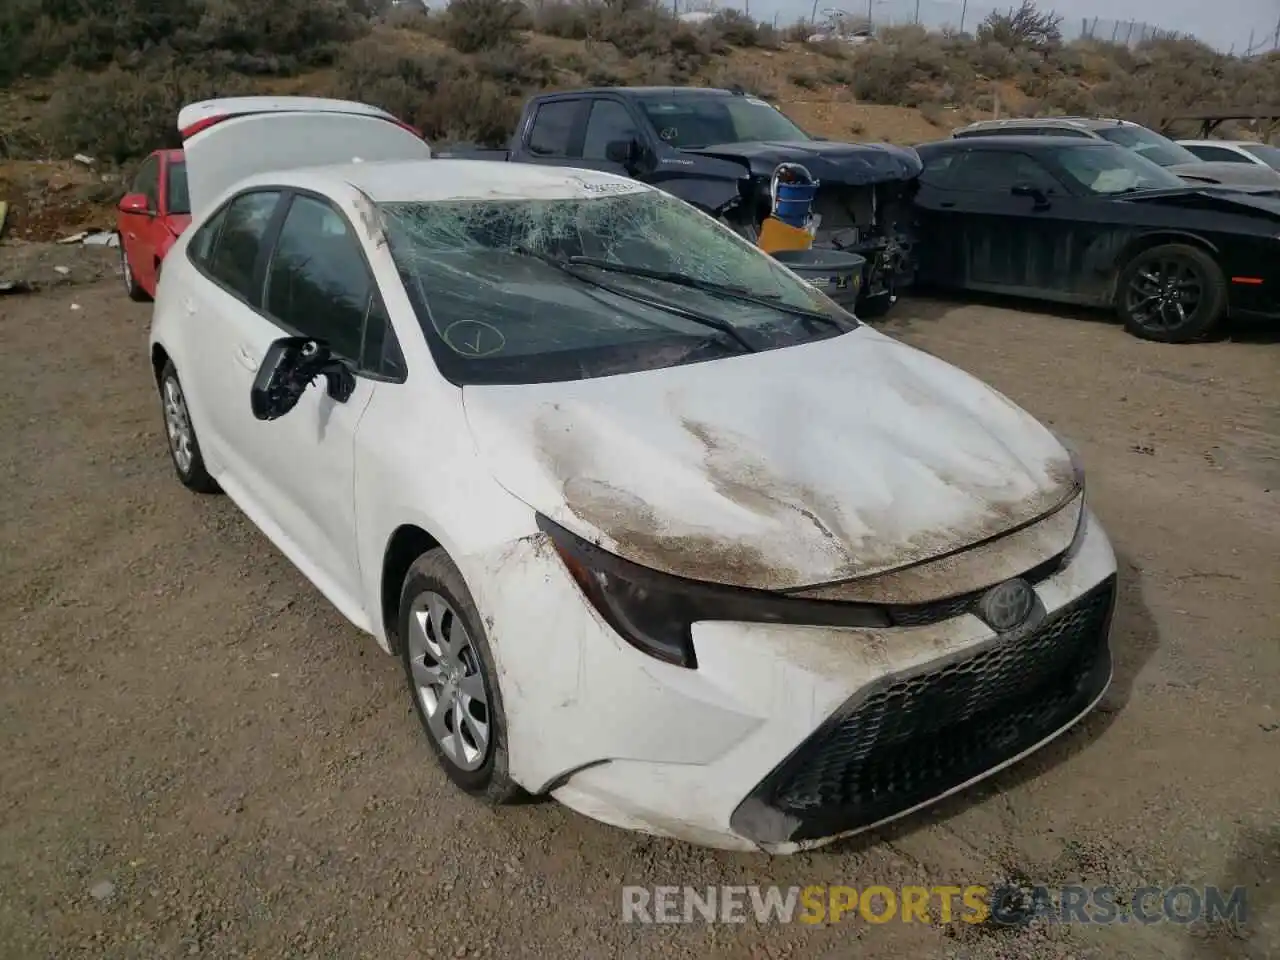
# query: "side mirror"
135, 203
290, 366
625, 152
1027, 190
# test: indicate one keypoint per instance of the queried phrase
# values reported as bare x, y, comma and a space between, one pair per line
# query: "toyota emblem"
1007, 605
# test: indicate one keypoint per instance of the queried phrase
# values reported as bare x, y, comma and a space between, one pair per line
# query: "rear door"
230, 139
230, 251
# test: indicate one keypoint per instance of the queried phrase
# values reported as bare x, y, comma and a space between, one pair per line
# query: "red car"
151, 216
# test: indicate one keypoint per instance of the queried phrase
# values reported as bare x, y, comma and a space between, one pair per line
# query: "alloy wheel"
177, 422
448, 681
1164, 294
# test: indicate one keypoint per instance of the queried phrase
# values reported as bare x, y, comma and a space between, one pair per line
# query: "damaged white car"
654, 527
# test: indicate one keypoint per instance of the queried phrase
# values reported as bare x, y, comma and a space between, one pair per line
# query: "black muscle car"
1088, 222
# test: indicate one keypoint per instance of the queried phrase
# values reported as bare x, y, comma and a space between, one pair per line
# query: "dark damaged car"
1088, 222
718, 150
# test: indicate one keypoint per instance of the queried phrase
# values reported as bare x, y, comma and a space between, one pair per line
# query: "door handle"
946, 204
245, 358
189, 305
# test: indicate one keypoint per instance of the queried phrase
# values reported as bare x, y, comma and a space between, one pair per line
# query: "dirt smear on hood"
642, 535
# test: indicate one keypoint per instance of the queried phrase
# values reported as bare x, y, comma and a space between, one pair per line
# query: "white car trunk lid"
230, 139
808, 465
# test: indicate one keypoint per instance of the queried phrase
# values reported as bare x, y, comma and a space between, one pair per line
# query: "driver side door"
318, 284
1008, 241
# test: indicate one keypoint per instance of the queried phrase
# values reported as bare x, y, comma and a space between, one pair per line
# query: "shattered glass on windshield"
497, 290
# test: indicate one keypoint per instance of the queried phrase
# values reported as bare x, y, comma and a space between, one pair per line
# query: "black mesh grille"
910, 738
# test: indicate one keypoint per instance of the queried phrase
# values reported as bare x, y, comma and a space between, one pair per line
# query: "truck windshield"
488, 282
700, 121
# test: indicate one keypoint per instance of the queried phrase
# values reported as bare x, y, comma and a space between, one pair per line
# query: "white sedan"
654, 526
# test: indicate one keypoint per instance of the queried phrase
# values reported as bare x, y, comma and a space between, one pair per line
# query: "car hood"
1245, 200
849, 164
1229, 173
788, 468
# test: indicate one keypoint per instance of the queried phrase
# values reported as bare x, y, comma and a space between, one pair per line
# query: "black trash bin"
834, 272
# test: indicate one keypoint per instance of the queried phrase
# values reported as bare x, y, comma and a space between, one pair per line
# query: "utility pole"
869, 2
917, 13
964, 8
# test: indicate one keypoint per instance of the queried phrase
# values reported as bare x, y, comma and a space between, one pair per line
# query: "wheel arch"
406, 543
1156, 238
159, 357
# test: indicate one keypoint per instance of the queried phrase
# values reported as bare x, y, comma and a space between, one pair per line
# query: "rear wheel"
184, 448
136, 293
1173, 293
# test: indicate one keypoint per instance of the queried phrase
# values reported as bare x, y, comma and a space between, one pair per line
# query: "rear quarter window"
231, 258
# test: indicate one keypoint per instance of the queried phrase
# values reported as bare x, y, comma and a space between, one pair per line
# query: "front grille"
909, 738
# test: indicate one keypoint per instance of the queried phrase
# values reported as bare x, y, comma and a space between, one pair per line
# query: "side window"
552, 131
937, 170
235, 254
609, 121
318, 283
1218, 155
996, 171
381, 353
147, 182
200, 249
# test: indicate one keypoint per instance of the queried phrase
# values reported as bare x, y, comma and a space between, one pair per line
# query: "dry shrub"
737, 29
118, 115
39, 37
440, 94
473, 25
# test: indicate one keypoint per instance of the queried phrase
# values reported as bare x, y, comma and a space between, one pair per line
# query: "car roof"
424, 181
1078, 123
1221, 143
1021, 141
643, 92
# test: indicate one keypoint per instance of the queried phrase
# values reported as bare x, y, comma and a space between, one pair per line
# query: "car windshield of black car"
1111, 170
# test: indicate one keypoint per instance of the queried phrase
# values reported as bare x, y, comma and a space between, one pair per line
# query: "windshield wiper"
707, 286
713, 323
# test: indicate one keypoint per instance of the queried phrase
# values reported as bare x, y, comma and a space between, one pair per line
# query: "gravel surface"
200, 757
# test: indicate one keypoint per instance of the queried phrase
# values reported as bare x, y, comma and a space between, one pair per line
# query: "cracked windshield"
532, 290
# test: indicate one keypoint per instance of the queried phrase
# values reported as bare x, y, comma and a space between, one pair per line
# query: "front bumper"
786, 737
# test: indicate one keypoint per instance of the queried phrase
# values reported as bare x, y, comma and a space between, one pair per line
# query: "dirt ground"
200, 757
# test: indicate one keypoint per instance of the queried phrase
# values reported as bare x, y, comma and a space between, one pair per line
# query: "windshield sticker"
669, 133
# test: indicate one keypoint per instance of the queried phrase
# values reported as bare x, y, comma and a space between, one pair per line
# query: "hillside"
109, 85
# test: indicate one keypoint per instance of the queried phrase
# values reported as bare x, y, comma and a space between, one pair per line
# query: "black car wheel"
1172, 293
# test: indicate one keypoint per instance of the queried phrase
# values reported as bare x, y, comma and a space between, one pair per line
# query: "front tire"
136, 293
1173, 293
184, 448
453, 680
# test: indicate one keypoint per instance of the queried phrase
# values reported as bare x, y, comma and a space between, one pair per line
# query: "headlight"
1077, 469
655, 612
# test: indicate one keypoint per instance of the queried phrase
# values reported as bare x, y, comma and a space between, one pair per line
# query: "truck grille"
910, 737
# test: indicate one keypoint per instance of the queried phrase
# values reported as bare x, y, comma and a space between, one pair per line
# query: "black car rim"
1164, 294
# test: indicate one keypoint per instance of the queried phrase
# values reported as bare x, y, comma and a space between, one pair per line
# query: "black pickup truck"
718, 149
